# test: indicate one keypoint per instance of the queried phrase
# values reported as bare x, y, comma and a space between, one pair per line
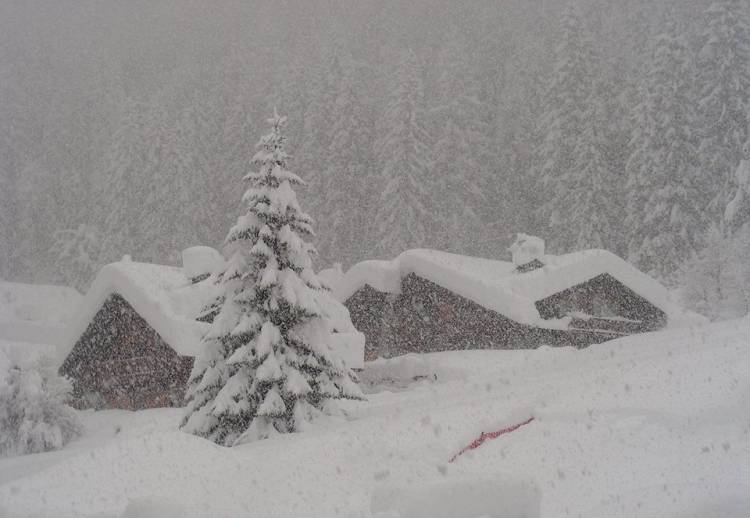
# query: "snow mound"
652, 425
403, 371
23, 353
36, 313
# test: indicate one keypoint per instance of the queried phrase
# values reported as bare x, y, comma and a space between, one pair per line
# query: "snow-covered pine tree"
77, 250
322, 87
737, 211
462, 149
33, 414
123, 185
575, 181
348, 189
724, 89
403, 218
266, 365
178, 171
665, 185
715, 281
16, 143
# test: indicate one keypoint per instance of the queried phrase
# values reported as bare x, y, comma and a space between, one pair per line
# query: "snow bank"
23, 353
36, 313
653, 425
496, 285
403, 371
37, 302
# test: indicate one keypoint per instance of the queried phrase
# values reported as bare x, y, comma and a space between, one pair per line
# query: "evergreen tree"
77, 251
404, 218
178, 173
123, 188
347, 177
266, 364
715, 281
461, 150
665, 187
317, 123
575, 180
737, 211
724, 89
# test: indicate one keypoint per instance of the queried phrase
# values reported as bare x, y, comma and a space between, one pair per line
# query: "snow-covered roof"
201, 260
35, 313
496, 285
170, 302
162, 295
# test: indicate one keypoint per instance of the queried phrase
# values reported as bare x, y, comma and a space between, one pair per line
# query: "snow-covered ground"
649, 426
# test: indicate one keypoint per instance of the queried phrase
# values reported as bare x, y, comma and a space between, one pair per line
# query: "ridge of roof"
154, 291
498, 286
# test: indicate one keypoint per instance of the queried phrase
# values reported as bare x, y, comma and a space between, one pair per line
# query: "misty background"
126, 127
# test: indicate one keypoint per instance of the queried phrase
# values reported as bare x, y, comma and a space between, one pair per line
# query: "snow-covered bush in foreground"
33, 414
266, 365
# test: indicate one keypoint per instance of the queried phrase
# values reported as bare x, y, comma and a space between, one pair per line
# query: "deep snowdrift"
652, 425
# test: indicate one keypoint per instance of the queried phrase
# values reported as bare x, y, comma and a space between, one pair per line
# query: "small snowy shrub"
33, 414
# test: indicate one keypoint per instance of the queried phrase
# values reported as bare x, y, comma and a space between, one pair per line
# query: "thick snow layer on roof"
169, 302
331, 276
162, 295
496, 285
199, 260
34, 312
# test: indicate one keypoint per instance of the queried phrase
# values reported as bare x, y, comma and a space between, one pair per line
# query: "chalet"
133, 341
426, 300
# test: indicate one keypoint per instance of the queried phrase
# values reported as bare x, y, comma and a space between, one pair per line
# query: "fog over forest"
126, 127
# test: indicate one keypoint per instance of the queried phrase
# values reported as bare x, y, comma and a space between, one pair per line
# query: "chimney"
527, 252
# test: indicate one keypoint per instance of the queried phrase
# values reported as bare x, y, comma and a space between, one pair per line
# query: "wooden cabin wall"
120, 361
604, 297
425, 317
